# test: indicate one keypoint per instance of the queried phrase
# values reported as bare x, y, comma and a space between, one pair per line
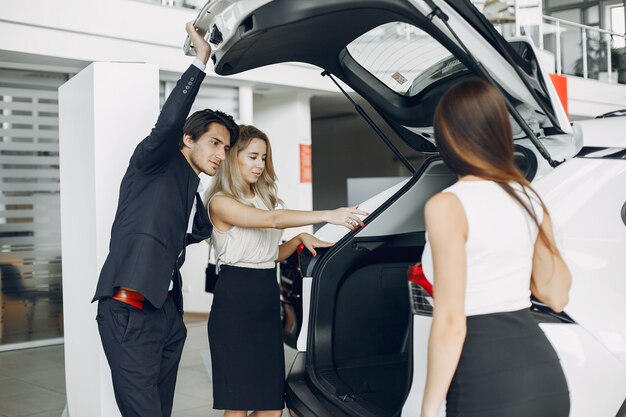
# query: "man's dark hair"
198, 123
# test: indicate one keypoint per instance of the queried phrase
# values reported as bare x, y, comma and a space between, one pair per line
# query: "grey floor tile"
32, 373
51, 413
33, 403
192, 358
18, 363
50, 379
186, 402
11, 387
191, 376
201, 391
52, 353
206, 411
197, 336
17, 359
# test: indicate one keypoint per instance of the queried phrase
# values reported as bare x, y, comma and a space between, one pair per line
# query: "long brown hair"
229, 180
474, 137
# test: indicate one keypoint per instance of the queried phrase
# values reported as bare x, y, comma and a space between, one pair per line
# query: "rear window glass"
405, 58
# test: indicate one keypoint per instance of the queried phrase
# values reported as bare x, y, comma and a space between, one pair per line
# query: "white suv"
362, 348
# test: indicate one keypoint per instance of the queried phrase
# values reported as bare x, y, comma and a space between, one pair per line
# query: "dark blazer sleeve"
156, 149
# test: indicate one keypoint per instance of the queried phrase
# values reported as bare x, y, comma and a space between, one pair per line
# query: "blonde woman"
245, 331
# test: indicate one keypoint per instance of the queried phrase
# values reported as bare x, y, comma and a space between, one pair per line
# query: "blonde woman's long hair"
230, 182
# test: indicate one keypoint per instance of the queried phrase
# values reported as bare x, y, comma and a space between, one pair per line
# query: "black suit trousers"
143, 348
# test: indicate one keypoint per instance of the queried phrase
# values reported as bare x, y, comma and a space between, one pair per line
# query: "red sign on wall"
306, 165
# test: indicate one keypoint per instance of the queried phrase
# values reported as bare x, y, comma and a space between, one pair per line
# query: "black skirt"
507, 368
245, 336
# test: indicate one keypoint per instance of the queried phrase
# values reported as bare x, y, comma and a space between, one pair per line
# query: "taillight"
420, 291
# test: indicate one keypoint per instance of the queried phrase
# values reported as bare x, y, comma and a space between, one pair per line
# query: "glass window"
592, 16
188, 4
558, 3
571, 15
30, 231
618, 25
403, 57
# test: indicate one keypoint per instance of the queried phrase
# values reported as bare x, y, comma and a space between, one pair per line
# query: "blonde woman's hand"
346, 216
311, 242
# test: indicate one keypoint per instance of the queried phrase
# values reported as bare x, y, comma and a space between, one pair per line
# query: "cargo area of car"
362, 339
372, 325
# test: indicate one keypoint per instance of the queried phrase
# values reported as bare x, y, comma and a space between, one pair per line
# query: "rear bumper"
302, 399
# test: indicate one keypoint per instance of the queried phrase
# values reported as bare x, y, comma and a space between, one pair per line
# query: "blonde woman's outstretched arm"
227, 212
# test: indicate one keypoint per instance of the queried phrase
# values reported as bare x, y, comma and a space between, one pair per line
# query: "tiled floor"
32, 381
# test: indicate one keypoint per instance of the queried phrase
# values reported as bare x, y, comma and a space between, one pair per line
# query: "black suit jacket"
157, 194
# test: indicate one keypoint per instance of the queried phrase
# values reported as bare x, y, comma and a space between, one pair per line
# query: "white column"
246, 104
286, 119
196, 259
104, 111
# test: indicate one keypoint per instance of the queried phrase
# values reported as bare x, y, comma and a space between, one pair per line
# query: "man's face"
209, 151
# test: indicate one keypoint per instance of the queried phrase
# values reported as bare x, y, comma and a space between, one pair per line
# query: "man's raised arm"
157, 148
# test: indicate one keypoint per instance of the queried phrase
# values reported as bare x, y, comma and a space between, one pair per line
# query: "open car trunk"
360, 337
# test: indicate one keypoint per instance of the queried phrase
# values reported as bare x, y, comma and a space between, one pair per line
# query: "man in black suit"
159, 213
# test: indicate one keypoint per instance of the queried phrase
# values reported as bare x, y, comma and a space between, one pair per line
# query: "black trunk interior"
372, 326
360, 342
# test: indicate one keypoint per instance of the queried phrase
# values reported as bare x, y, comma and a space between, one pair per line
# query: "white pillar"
104, 111
286, 119
246, 104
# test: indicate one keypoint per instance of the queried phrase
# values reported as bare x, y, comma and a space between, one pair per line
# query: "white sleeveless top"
499, 247
247, 247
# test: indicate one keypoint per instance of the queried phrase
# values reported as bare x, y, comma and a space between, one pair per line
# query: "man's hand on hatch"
202, 47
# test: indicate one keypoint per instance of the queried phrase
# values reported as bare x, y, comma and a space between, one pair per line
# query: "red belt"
129, 297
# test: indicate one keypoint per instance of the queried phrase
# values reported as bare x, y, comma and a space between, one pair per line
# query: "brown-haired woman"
245, 331
490, 244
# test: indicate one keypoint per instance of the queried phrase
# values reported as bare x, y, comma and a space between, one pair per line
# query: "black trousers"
143, 348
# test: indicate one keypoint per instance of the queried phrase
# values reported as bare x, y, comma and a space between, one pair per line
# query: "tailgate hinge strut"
373, 125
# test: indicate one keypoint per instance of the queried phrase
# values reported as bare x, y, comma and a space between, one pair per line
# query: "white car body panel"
307, 283
333, 233
596, 379
413, 403
560, 113
585, 197
560, 147
608, 132
227, 15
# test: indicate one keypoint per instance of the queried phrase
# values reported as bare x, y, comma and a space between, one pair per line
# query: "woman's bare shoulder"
443, 203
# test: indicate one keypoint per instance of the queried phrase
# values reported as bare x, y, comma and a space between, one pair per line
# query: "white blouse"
247, 247
499, 247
